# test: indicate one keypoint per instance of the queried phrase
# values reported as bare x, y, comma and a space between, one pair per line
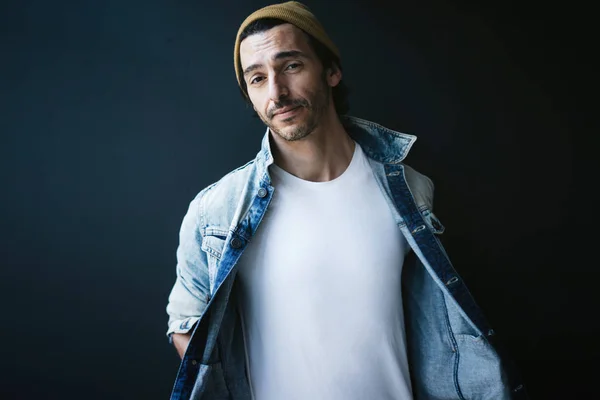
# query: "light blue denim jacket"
453, 352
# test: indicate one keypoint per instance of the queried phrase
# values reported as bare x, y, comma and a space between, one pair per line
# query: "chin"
294, 133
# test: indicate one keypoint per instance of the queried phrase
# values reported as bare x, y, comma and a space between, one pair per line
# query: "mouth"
286, 113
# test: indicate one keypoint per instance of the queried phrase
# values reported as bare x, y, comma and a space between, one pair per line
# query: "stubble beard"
315, 110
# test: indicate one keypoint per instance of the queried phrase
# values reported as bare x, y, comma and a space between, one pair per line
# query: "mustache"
286, 103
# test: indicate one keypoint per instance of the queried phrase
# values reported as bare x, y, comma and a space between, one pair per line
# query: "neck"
321, 156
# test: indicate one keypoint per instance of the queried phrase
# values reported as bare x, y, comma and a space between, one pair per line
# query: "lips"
285, 110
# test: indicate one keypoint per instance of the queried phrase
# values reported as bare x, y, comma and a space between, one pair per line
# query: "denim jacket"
453, 352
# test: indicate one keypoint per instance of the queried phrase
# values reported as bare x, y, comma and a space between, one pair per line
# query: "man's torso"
321, 294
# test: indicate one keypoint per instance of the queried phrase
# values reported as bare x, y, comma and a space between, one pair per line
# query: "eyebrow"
278, 56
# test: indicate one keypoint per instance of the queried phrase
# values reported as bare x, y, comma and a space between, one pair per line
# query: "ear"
334, 75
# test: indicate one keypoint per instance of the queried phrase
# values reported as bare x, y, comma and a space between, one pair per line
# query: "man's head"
289, 70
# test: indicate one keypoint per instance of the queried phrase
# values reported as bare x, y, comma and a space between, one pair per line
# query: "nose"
277, 88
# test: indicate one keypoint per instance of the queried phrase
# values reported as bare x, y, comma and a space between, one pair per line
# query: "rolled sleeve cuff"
181, 326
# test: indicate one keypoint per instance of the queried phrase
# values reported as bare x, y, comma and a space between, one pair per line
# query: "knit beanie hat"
293, 12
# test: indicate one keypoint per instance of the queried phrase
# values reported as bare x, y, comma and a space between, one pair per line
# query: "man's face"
286, 82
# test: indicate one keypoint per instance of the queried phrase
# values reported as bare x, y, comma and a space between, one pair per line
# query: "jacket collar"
378, 142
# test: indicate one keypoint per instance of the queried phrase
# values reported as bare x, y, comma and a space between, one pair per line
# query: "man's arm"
189, 295
181, 341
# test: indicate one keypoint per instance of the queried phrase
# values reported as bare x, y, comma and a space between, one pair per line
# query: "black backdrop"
115, 114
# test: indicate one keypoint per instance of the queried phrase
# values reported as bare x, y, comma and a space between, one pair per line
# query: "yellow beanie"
293, 12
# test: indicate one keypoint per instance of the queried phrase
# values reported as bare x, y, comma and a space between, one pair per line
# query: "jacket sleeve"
189, 295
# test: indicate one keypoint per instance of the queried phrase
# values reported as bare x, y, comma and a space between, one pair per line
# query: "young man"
315, 271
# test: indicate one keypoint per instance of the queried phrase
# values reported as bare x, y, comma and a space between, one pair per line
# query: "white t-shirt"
320, 292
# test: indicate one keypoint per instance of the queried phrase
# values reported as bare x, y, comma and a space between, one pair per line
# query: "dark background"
114, 114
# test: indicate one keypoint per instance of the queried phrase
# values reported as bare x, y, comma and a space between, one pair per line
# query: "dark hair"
339, 93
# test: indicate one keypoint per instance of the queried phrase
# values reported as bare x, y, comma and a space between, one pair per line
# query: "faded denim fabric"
453, 352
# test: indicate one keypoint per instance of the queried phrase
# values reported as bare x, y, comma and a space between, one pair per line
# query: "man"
315, 271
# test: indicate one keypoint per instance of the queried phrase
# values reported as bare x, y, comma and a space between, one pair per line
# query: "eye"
256, 79
292, 66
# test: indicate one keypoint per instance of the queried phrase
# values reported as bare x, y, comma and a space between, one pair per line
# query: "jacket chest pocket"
213, 245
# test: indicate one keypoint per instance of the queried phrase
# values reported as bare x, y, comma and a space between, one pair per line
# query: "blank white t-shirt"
320, 292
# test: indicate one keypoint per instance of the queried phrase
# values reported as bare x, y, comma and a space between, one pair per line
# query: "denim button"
194, 362
236, 243
262, 192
